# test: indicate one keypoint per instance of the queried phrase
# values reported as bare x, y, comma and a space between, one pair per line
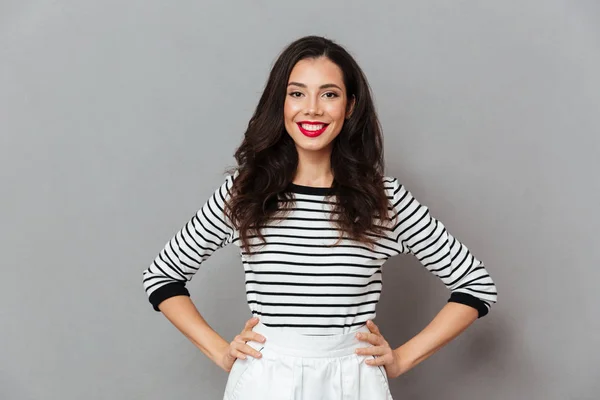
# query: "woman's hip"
302, 367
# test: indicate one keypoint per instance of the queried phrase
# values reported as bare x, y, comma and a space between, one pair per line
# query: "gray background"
118, 118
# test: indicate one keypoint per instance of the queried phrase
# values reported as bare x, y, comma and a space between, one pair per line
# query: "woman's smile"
312, 129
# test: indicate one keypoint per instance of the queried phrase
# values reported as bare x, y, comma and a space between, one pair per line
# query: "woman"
315, 219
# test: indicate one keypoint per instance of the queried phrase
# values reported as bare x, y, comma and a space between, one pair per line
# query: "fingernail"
358, 335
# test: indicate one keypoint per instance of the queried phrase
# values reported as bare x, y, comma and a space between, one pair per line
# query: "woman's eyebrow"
325, 86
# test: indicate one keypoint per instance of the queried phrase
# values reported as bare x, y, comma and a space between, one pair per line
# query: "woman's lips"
312, 133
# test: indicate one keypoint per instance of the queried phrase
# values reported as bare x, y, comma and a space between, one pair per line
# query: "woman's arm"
181, 312
472, 289
182, 256
165, 278
453, 319
417, 232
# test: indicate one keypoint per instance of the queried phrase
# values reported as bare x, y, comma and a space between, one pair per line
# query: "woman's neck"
314, 170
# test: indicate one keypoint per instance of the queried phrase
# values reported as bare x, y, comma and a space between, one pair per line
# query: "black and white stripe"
296, 281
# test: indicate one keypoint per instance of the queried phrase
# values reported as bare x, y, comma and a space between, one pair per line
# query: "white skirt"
306, 367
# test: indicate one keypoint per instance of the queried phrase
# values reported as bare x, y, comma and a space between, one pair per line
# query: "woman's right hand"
238, 347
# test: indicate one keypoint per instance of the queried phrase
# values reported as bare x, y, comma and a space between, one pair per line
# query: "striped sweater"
295, 281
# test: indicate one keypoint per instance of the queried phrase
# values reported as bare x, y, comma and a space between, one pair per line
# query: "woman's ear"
350, 107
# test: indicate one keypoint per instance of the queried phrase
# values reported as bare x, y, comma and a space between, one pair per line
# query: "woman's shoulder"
389, 179
391, 183
396, 189
229, 177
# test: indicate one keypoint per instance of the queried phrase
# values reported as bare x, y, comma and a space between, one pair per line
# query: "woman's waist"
287, 341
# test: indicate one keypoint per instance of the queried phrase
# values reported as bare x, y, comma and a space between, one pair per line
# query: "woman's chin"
313, 147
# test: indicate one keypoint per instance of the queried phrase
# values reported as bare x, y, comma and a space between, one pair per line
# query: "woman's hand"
238, 347
381, 350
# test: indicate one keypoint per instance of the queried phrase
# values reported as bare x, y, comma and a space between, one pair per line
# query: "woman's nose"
313, 108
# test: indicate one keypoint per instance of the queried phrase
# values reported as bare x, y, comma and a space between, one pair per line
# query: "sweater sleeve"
175, 265
417, 232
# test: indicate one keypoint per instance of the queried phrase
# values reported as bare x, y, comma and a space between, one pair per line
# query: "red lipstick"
312, 133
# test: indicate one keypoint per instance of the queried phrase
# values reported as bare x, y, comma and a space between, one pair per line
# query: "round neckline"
314, 190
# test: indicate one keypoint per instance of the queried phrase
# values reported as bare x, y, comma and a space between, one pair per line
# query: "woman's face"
315, 104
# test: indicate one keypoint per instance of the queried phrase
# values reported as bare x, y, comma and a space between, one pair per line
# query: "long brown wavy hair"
267, 157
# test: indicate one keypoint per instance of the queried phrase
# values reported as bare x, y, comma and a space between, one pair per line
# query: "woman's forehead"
316, 72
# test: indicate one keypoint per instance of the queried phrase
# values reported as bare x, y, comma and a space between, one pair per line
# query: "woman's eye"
331, 95
295, 94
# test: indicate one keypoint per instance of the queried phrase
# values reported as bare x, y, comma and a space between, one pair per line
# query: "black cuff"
469, 300
166, 291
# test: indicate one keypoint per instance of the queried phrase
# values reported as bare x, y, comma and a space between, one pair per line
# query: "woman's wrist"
404, 360
218, 354
215, 348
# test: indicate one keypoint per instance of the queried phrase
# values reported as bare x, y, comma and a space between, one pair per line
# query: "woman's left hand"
381, 350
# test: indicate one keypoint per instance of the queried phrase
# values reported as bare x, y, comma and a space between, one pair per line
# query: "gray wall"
118, 118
